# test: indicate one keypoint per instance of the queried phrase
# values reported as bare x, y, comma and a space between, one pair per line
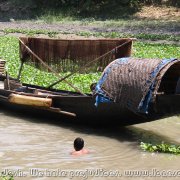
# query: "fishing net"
71, 55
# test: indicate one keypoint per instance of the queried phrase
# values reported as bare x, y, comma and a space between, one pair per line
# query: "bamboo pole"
30, 100
20, 70
7, 81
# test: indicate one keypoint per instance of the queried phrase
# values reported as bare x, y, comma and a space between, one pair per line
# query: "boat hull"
87, 113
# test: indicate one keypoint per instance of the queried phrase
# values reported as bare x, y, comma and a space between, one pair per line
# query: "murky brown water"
37, 149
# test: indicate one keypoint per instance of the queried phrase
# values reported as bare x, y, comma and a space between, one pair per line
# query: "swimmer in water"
78, 147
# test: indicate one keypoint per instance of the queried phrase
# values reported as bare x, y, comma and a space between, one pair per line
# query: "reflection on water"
33, 143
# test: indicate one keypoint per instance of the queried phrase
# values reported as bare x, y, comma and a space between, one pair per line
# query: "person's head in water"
78, 144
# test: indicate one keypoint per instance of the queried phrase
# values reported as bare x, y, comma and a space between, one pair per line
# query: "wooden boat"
80, 107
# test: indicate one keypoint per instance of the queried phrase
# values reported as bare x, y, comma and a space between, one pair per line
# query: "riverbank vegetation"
129, 16
101, 9
142, 19
140, 36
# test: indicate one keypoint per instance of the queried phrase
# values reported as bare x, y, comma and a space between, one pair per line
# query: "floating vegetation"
6, 177
151, 50
31, 75
152, 37
163, 147
9, 51
31, 32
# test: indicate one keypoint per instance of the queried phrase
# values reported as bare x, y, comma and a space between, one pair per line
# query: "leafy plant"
152, 50
163, 147
6, 177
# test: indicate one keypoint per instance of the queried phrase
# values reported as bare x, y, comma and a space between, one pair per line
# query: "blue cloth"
101, 99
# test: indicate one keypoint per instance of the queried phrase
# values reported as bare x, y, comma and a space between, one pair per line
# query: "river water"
36, 148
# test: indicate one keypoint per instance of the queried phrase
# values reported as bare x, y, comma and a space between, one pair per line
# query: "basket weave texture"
128, 81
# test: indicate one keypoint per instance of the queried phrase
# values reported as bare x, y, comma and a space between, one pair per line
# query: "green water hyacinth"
6, 177
163, 147
152, 37
9, 51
